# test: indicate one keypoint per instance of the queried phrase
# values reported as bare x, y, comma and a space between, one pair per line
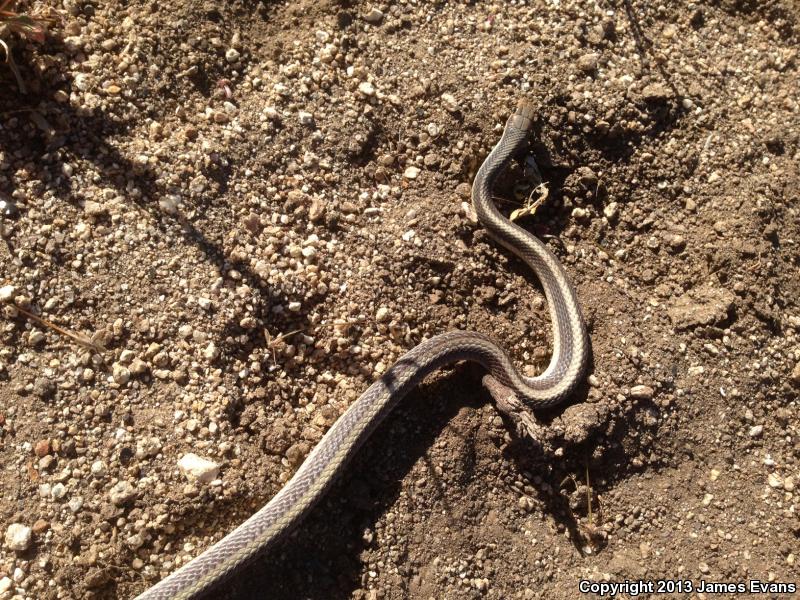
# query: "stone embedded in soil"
411, 172
7, 293
42, 448
18, 537
588, 62
374, 16
796, 374
197, 468
705, 305
44, 387
121, 493
642, 392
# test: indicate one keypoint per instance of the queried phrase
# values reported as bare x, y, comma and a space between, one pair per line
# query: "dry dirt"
255, 208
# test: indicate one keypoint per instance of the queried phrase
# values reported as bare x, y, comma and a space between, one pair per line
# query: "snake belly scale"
565, 371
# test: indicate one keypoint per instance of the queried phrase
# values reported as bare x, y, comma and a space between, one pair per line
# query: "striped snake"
567, 367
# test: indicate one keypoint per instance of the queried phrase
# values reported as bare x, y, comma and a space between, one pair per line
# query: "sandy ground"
247, 211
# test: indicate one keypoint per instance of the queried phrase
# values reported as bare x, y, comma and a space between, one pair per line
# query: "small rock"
450, 103
704, 305
232, 55
306, 118
94, 209
5, 585
44, 388
40, 526
411, 172
774, 480
211, 352
197, 468
374, 16
316, 211
7, 292
796, 374
756, 431
147, 447
580, 214
611, 211
677, 243
464, 190
82, 81
366, 88
588, 62
656, 92
382, 315
58, 492
8, 208
18, 537
42, 448
120, 374
121, 493
642, 392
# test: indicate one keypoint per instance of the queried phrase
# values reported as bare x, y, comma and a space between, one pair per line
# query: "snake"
567, 367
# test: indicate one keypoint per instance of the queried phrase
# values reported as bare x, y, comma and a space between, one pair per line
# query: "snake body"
566, 369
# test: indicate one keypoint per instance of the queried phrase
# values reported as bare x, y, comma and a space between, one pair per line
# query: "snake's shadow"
323, 558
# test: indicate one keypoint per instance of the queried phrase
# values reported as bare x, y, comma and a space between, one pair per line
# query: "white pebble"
18, 537
7, 293
306, 118
197, 468
411, 172
366, 88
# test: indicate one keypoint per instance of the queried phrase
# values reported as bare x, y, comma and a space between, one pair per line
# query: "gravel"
257, 209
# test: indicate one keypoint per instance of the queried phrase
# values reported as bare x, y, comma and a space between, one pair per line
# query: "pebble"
374, 16
306, 118
120, 374
642, 392
18, 537
382, 315
7, 292
588, 62
58, 491
366, 88
42, 448
44, 388
147, 447
211, 351
656, 92
197, 468
5, 585
796, 374
450, 103
82, 81
411, 172
704, 305
121, 493
232, 55
611, 211
756, 431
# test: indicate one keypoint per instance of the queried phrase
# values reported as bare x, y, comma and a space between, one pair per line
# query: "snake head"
523, 116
